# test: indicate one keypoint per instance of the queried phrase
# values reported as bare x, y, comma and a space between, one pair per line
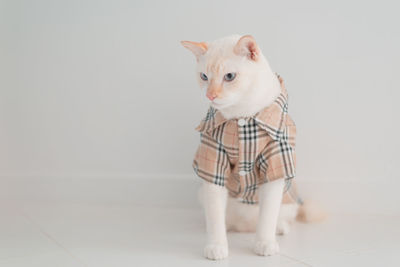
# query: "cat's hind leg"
287, 216
241, 217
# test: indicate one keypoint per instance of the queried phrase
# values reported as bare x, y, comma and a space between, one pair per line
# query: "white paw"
283, 228
266, 248
216, 251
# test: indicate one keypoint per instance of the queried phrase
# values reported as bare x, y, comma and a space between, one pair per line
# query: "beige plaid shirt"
244, 153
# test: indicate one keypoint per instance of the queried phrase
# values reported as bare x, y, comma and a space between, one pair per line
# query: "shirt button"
242, 173
241, 122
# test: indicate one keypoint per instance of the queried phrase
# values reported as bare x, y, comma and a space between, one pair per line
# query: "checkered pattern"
244, 157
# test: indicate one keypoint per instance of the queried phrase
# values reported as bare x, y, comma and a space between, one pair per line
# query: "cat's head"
227, 67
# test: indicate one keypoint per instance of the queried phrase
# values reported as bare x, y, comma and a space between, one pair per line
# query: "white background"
98, 105
104, 88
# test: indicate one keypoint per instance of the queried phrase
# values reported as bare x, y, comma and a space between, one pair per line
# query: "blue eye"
229, 76
203, 76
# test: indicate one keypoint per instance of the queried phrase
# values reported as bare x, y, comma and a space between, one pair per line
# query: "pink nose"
210, 96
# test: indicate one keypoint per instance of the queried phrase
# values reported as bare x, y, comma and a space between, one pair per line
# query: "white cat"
239, 82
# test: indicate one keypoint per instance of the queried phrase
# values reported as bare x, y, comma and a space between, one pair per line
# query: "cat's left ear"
198, 49
247, 46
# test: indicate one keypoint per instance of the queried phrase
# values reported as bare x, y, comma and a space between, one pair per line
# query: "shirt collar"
272, 118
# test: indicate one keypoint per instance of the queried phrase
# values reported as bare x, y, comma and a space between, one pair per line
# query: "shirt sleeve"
278, 159
211, 161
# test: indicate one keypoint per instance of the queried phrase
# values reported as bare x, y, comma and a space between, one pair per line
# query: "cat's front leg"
214, 200
270, 198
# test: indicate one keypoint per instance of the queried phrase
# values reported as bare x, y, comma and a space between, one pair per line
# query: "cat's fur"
254, 88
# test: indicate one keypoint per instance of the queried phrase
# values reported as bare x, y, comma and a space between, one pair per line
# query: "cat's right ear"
198, 49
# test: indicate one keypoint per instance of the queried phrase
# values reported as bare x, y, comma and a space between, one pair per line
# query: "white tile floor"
79, 225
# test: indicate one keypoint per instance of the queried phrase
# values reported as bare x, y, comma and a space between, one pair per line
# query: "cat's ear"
198, 49
247, 46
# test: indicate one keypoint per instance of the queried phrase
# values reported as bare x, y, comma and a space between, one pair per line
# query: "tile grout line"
296, 260
48, 236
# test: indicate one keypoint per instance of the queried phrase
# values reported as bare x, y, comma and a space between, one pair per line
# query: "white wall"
104, 87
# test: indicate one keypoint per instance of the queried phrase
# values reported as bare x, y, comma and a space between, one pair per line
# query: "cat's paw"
266, 248
283, 228
215, 251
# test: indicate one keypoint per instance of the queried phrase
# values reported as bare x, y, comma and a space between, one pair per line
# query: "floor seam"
52, 239
296, 260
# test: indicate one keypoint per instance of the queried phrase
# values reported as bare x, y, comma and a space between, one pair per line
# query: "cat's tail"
310, 211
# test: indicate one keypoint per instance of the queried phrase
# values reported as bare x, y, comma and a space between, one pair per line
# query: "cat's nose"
211, 97
213, 91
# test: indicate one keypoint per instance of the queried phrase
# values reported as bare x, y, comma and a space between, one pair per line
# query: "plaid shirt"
244, 153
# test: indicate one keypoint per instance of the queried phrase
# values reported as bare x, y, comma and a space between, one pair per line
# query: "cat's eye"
229, 76
203, 76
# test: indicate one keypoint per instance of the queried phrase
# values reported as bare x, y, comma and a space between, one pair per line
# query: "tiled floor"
62, 230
